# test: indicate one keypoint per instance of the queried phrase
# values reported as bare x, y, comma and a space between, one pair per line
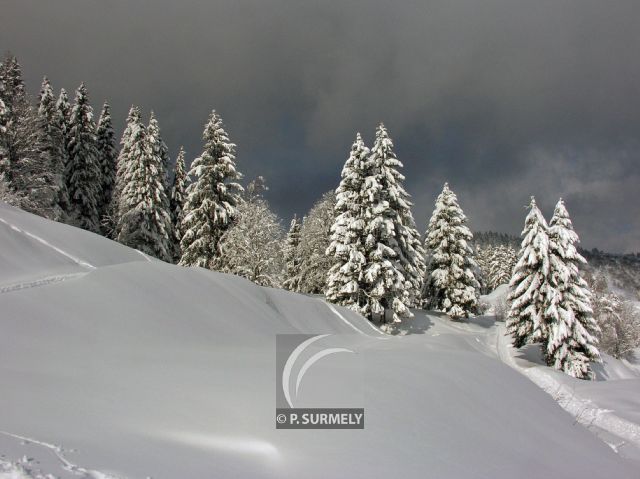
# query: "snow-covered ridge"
138, 369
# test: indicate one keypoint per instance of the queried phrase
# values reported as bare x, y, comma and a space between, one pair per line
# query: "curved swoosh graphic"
315, 358
286, 372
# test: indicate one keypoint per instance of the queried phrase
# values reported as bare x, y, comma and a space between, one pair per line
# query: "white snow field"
116, 366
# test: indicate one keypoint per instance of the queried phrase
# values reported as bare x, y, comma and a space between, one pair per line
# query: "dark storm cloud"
503, 99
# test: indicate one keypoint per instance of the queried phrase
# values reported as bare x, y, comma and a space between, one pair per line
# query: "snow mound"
130, 368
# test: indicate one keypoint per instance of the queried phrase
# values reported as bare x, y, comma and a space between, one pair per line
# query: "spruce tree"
63, 118
159, 147
26, 160
345, 281
451, 285
53, 134
501, 262
13, 91
134, 122
394, 255
14, 98
83, 169
571, 342
107, 157
212, 198
529, 286
4, 151
177, 202
144, 221
292, 258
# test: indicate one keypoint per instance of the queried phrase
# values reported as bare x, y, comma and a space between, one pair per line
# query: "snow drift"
115, 365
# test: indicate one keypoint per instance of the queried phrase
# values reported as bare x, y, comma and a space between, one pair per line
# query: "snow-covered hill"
115, 365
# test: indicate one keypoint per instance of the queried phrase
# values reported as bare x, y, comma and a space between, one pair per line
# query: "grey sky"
503, 99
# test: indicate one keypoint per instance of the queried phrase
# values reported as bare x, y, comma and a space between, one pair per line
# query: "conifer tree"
571, 341
529, 286
13, 91
394, 255
107, 157
177, 202
83, 169
26, 161
14, 99
159, 147
345, 281
144, 221
483, 254
212, 198
54, 134
63, 117
4, 152
134, 122
292, 259
500, 265
451, 285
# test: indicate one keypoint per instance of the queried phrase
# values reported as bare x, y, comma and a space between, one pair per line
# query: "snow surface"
130, 368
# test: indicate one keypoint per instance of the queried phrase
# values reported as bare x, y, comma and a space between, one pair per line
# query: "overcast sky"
502, 99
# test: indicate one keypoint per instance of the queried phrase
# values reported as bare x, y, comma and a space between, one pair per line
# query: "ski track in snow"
337, 313
76, 260
144, 255
585, 411
21, 469
39, 282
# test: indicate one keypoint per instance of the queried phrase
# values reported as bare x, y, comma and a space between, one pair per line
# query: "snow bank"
138, 368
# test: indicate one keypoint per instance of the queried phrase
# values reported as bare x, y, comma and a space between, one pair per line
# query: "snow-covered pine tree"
345, 281
252, 246
144, 221
14, 102
482, 260
571, 341
529, 287
395, 258
177, 202
83, 168
53, 136
511, 260
451, 285
63, 118
26, 162
4, 152
13, 91
500, 265
107, 156
159, 147
212, 197
292, 259
112, 221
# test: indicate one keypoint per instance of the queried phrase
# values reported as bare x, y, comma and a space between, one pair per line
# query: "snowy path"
619, 433
60, 251
583, 409
7, 288
29, 467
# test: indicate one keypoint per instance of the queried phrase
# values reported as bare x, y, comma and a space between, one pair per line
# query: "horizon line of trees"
358, 246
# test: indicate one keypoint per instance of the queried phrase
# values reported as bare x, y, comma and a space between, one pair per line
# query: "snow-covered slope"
111, 362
